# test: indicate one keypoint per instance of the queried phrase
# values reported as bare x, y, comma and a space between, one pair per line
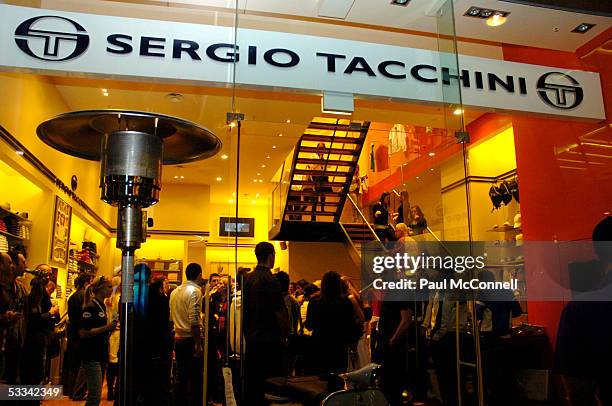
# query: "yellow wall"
32, 100
330, 256
181, 207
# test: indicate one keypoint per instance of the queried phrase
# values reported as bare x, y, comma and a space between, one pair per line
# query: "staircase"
324, 163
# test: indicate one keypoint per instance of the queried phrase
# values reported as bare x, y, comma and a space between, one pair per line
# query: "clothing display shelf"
14, 229
171, 269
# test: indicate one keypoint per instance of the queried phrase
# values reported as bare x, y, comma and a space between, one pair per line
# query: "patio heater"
132, 146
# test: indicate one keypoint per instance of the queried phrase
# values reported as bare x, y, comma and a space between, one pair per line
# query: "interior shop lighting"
458, 112
232, 124
19, 152
260, 181
280, 135
432, 154
258, 174
256, 194
400, 2
182, 177
288, 121
263, 166
496, 19
255, 180
431, 169
267, 156
273, 146
219, 178
224, 156
583, 27
230, 201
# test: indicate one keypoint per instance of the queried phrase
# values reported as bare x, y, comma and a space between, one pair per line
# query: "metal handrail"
348, 196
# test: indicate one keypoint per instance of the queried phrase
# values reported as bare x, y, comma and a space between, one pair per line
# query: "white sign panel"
54, 41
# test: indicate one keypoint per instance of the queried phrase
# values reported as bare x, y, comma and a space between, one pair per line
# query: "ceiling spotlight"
255, 180
230, 201
273, 146
104, 90
280, 135
233, 194
182, 177
582, 28
263, 166
418, 177
105, 94
219, 178
400, 2
19, 152
232, 124
175, 177
432, 154
431, 169
473, 12
256, 194
174, 97
496, 19
458, 112
258, 174
224, 156
267, 156
260, 181
288, 121
486, 13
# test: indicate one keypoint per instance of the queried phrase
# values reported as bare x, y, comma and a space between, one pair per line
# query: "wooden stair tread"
310, 182
328, 138
319, 173
333, 151
329, 162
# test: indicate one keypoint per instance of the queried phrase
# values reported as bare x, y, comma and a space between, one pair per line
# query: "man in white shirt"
185, 307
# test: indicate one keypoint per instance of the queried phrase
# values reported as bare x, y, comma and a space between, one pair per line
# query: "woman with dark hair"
380, 214
40, 321
331, 318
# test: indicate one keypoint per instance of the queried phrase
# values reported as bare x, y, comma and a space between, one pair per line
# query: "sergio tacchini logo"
51, 38
560, 90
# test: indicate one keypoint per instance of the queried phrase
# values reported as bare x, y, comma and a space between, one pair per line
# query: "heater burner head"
80, 134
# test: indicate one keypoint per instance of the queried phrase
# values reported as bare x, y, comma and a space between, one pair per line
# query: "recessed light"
233, 194
263, 166
258, 174
473, 12
280, 135
418, 177
175, 97
260, 180
267, 156
18, 152
458, 112
284, 181
486, 13
175, 177
431, 169
255, 180
582, 28
224, 156
230, 201
273, 146
104, 90
496, 19
256, 194
219, 178
288, 121
105, 94
182, 177
400, 2
432, 154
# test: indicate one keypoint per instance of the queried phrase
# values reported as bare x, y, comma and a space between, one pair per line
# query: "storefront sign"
60, 241
53, 41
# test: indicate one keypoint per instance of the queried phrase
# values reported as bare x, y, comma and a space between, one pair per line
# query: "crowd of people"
290, 328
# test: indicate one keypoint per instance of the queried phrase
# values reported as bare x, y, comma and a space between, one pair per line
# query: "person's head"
283, 280
50, 287
401, 231
19, 263
292, 288
310, 290
213, 279
193, 272
264, 251
100, 288
602, 240
158, 284
6, 267
331, 285
321, 149
385, 199
81, 281
416, 213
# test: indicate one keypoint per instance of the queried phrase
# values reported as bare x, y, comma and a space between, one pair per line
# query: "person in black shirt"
265, 325
380, 213
332, 320
395, 320
583, 351
73, 376
94, 332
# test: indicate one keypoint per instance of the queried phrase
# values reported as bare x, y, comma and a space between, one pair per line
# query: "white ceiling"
266, 115
526, 25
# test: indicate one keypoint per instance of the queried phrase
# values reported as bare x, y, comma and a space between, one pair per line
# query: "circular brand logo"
51, 38
560, 90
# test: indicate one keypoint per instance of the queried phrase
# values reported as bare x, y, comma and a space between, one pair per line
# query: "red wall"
556, 203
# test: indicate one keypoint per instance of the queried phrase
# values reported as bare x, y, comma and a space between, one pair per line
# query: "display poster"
60, 237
